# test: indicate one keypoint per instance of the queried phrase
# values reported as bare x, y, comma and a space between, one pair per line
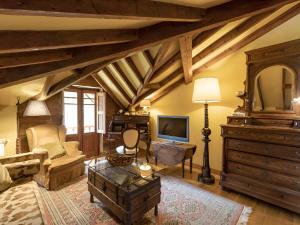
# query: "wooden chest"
263, 162
124, 191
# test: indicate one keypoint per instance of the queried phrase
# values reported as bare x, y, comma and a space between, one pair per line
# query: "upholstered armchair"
64, 161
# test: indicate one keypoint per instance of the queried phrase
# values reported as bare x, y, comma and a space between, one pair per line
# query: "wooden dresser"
263, 162
261, 148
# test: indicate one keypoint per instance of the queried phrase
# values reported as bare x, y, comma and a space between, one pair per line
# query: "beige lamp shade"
36, 108
145, 103
206, 90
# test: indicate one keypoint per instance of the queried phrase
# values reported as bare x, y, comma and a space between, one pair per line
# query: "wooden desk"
173, 153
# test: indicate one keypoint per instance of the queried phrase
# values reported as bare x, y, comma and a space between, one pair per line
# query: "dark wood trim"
116, 66
148, 58
261, 98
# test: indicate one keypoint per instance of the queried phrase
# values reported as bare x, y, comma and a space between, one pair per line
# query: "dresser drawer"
277, 165
264, 175
276, 195
278, 151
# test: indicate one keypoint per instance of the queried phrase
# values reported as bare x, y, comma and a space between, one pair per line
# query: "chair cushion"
55, 150
120, 150
5, 179
65, 161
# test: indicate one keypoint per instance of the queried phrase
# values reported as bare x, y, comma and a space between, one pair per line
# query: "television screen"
173, 128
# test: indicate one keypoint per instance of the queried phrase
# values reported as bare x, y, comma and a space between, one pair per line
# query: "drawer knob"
297, 153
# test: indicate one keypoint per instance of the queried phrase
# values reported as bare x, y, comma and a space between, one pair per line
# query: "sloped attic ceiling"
132, 53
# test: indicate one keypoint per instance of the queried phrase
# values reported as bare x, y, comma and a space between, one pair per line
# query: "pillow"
5, 179
55, 150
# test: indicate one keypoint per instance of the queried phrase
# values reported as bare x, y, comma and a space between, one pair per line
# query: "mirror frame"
286, 54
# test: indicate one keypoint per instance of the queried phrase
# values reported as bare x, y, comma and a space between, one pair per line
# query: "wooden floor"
263, 213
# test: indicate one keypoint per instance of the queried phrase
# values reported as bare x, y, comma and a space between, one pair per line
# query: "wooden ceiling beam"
148, 37
185, 44
44, 40
203, 36
134, 69
112, 9
32, 58
108, 90
161, 56
47, 85
76, 77
116, 83
295, 10
116, 66
231, 35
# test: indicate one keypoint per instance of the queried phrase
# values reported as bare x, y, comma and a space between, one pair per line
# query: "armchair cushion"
5, 180
55, 150
65, 161
71, 148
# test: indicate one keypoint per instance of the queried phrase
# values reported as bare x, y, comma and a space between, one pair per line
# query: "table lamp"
206, 90
145, 104
36, 108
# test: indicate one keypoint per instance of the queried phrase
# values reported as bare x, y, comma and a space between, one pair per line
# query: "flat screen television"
174, 128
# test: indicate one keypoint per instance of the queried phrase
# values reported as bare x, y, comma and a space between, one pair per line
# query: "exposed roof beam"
295, 10
148, 37
161, 56
148, 57
42, 40
31, 58
203, 36
116, 66
112, 9
116, 83
107, 90
76, 77
185, 44
134, 69
47, 85
167, 90
231, 35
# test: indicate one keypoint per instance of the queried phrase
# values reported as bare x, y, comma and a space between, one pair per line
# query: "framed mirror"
273, 80
274, 90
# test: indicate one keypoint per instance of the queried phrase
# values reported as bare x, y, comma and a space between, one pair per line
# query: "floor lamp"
206, 90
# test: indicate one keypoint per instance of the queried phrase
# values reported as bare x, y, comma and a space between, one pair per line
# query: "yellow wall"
8, 128
231, 73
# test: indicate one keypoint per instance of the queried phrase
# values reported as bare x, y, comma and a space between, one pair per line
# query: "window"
71, 112
89, 112
101, 113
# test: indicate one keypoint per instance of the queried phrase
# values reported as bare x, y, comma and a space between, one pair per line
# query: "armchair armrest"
17, 158
71, 148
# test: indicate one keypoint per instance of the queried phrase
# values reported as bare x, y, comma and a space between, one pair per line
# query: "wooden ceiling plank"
185, 44
108, 90
116, 66
112, 9
231, 35
76, 77
161, 56
44, 40
134, 69
116, 83
148, 37
32, 58
295, 10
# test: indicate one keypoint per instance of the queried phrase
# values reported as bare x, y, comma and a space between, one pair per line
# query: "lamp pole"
206, 177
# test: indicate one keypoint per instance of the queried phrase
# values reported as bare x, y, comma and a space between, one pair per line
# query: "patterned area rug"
181, 204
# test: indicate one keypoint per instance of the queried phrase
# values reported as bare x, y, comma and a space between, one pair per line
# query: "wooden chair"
131, 139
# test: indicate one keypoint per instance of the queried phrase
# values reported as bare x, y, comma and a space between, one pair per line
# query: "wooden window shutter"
101, 100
